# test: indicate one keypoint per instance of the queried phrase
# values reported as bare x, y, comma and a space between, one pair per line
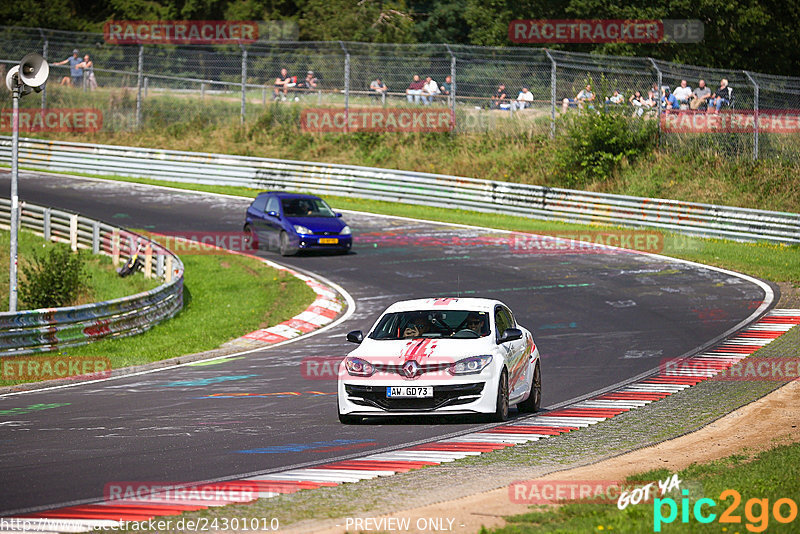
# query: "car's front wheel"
534, 401
286, 247
501, 404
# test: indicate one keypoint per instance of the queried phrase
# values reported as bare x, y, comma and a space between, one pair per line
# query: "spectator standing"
378, 89
429, 90
524, 99
414, 91
75, 78
700, 96
721, 96
683, 93
499, 98
87, 66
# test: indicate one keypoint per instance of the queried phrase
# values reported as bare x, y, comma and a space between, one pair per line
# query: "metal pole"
346, 85
552, 94
44, 55
12, 258
244, 83
755, 115
139, 87
452, 95
660, 79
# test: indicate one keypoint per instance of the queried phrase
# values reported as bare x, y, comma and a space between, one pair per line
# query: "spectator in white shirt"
682, 93
524, 99
429, 90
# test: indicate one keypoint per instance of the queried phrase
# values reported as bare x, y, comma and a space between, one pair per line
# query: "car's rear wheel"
250, 239
349, 419
534, 401
501, 404
286, 247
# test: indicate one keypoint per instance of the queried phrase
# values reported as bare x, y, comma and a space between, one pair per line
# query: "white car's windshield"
455, 324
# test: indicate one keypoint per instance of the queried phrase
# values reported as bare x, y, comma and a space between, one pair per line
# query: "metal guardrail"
532, 201
49, 329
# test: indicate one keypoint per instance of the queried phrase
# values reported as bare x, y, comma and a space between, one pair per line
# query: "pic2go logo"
756, 511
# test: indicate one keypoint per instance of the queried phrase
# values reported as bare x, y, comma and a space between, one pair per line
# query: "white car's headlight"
300, 229
470, 366
358, 367
345, 231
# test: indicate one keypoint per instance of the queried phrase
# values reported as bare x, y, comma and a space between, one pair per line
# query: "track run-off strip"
704, 366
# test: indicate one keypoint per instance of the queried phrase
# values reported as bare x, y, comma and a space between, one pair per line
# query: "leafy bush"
52, 279
595, 144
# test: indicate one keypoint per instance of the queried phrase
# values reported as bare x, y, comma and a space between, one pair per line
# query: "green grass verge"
101, 278
224, 298
766, 477
775, 262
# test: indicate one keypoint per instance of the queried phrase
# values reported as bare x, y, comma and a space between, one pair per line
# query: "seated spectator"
414, 91
524, 99
721, 97
310, 82
683, 93
429, 90
585, 95
650, 101
500, 98
378, 88
447, 87
638, 102
283, 83
615, 98
668, 100
699, 97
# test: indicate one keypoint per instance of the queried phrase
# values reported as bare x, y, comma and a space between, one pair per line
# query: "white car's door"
514, 353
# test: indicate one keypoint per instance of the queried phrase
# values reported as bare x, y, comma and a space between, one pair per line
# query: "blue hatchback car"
290, 222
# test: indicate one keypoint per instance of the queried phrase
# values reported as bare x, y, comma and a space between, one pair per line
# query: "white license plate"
416, 392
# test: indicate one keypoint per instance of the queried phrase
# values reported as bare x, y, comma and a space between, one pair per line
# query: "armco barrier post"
115, 247
46, 224
73, 232
755, 114
95, 237
169, 272
148, 261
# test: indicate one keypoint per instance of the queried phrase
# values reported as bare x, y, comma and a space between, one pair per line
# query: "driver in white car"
477, 323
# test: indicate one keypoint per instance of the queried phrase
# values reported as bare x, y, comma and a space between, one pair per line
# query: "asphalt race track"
598, 319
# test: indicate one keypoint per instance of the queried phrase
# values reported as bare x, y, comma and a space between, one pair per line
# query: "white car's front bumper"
465, 394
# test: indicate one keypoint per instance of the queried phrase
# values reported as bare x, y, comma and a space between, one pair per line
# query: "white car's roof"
444, 303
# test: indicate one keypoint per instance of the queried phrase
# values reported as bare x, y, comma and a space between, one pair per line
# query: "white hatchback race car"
441, 356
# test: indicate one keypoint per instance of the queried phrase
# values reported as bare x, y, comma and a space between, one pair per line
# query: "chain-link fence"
166, 86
